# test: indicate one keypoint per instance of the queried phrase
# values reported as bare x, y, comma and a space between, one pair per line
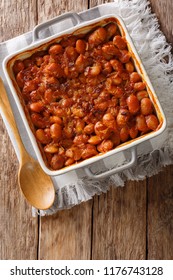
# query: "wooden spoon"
36, 185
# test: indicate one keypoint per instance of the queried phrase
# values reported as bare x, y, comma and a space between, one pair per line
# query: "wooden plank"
160, 215
164, 11
119, 223
93, 3
119, 219
160, 187
48, 9
67, 234
17, 17
18, 230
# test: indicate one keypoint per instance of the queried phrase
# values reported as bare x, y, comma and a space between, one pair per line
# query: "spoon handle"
7, 111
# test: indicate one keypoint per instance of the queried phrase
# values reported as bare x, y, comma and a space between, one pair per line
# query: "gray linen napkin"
75, 187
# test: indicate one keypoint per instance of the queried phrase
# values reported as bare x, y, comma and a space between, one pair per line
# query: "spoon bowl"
36, 186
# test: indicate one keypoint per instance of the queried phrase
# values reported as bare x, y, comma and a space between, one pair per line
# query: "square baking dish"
80, 29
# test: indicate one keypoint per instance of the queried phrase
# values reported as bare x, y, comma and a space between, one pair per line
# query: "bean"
70, 71
114, 101
78, 112
110, 50
80, 46
46, 58
61, 151
67, 143
117, 65
118, 93
113, 111
60, 112
49, 96
129, 67
141, 124
69, 153
94, 140
52, 82
135, 77
89, 151
77, 153
42, 136
80, 139
35, 96
123, 102
109, 121
102, 106
66, 102
102, 130
124, 56
69, 161
38, 120
111, 29
124, 134
29, 86
123, 117
51, 148
119, 42
36, 106
115, 138
38, 61
56, 131
117, 80
80, 124
71, 53
124, 75
112, 85
139, 86
80, 63
133, 132
105, 146
97, 37
106, 68
133, 104
55, 119
74, 153
152, 122
94, 70
141, 94
57, 161
89, 128
68, 131
55, 49
146, 106
53, 69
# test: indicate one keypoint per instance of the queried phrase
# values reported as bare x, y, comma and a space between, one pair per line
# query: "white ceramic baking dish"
82, 27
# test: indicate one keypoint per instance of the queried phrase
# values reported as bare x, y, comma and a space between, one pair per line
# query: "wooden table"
134, 222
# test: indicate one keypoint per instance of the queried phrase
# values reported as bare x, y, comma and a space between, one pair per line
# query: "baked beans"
84, 96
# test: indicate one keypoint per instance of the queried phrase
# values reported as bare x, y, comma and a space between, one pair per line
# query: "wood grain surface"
133, 222
18, 230
119, 223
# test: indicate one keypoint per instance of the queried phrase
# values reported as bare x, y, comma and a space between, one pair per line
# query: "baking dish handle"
121, 168
76, 19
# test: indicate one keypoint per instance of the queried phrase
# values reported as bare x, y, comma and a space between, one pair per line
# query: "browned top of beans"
84, 96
